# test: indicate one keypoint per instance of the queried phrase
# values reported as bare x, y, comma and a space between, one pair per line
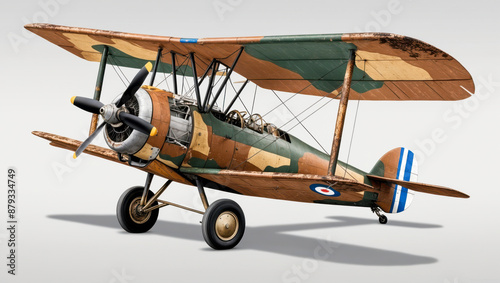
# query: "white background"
68, 231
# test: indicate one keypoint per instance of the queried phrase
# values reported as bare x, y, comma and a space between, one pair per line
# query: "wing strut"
215, 66
235, 97
339, 125
226, 79
155, 68
195, 77
98, 87
174, 71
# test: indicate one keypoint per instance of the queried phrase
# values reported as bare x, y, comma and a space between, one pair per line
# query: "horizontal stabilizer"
419, 187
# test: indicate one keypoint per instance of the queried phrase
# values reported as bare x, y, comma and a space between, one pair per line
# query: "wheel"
223, 224
128, 215
382, 219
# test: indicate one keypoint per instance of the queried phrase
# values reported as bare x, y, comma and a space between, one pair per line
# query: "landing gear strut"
381, 217
223, 221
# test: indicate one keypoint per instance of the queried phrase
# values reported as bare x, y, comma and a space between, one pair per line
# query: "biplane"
197, 140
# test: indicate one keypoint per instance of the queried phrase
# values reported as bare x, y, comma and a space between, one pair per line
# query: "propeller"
116, 113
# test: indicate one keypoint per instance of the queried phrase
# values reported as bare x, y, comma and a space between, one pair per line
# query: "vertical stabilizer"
400, 164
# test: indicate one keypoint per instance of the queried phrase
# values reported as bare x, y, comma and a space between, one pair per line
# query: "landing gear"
130, 214
223, 221
223, 224
381, 217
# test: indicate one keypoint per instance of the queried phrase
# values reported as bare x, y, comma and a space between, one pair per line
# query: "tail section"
395, 174
397, 164
424, 188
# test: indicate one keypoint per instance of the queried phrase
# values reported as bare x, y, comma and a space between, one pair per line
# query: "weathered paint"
388, 66
217, 144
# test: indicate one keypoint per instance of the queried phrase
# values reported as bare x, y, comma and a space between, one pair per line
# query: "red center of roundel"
325, 191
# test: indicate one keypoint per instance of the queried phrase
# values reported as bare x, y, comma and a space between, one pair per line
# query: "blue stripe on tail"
406, 177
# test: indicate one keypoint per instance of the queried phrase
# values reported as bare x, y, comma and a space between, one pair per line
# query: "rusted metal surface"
154, 167
339, 125
161, 115
288, 186
201, 192
93, 123
98, 87
420, 187
402, 64
156, 195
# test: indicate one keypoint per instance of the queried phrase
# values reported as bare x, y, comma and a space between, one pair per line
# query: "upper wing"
388, 66
286, 186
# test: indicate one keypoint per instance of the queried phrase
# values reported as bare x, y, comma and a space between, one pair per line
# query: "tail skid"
395, 175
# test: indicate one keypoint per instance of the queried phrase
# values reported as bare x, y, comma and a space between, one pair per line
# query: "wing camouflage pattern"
388, 66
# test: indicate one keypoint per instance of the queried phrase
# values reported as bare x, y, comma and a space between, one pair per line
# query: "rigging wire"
310, 84
224, 101
254, 95
117, 73
299, 122
352, 137
355, 119
253, 103
120, 69
165, 79
214, 85
239, 98
262, 149
288, 99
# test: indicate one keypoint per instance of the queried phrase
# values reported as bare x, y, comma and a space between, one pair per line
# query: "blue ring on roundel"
325, 190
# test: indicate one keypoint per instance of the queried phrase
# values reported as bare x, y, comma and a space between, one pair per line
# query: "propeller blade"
135, 84
86, 143
87, 104
138, 124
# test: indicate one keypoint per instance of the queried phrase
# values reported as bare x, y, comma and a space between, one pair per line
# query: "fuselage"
217, 142
192, 143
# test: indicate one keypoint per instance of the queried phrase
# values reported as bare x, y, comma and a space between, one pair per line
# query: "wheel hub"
136, 213
227, 225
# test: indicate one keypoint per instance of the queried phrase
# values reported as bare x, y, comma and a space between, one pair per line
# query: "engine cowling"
151, 105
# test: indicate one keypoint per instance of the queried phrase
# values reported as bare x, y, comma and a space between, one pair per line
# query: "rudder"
401, 164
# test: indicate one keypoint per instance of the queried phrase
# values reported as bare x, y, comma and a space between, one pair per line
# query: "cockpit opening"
254, 122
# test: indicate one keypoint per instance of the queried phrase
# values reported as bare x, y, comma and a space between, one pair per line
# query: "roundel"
324, 190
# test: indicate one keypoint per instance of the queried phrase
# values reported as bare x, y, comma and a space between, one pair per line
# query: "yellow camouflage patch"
382, 67
261, 159
84, 43
200, 135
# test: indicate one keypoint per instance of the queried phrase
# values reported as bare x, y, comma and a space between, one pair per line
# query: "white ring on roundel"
324, 190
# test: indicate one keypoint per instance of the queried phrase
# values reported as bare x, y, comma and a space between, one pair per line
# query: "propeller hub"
110, 113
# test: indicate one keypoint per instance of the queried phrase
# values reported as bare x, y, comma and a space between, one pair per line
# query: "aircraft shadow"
275, 239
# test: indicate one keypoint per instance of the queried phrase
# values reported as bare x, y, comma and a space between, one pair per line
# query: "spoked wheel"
130, 217
223, 224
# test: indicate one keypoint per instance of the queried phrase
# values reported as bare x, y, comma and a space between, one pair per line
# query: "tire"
134, 222
223, 224
382, 219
